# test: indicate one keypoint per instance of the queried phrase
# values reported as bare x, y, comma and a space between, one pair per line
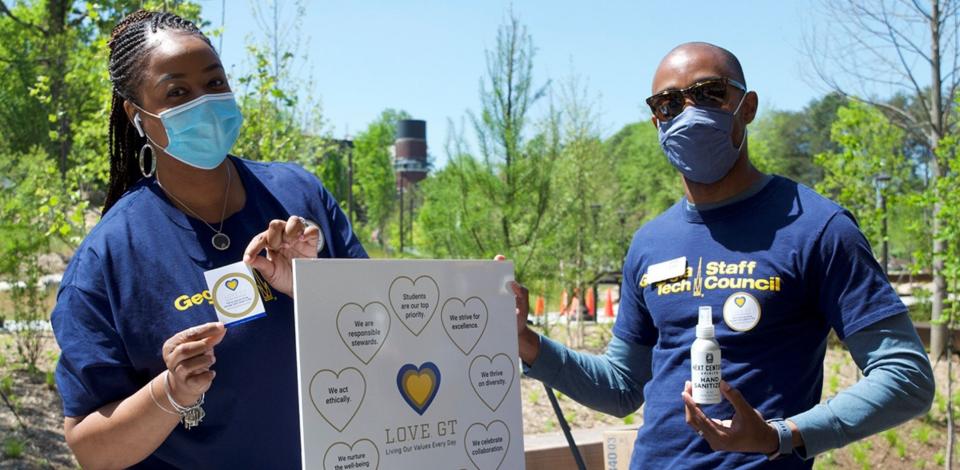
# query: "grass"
860, 452
940, 402
825, 461
892, 437
6, 385
834, 384
13, 448
549, 426
922, 433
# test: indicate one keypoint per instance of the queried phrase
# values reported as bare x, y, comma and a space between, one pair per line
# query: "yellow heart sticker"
419, 385
740, 301
232, 284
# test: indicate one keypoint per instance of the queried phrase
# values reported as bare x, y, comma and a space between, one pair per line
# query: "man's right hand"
529, 340
189, 356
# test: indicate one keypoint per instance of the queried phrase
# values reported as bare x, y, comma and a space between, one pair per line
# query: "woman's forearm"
123, 433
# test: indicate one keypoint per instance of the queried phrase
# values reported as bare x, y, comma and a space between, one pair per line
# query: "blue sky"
427, 57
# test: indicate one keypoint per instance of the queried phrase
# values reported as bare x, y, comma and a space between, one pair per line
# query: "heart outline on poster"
413, 283
506, 391
486, 427
350, 447
363, 311
444, 319
411, 383
337, 375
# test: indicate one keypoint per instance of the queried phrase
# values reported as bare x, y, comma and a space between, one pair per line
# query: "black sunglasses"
711, 93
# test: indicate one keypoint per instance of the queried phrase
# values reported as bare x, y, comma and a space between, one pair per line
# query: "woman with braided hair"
134, 320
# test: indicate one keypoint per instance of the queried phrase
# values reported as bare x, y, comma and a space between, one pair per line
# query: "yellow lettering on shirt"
182, 303
720, 275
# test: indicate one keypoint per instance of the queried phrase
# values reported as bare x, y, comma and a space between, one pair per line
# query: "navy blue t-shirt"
137, 280
798, 264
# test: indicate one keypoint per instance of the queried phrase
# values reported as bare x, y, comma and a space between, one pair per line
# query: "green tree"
869, 145
374, 183
36, 214
511, 178
582, 195
911, 48
648, 184
282, 122
784, 142
949, 234
53, 134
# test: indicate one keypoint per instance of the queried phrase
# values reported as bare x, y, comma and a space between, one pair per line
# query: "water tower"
410, 150
410, 163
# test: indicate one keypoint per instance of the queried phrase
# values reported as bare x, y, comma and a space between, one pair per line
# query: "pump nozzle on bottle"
705, 323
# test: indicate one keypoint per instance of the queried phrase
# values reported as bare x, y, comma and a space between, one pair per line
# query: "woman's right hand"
283, 241
189, 356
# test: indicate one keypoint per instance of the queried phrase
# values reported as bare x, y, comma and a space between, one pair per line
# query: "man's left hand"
746, 431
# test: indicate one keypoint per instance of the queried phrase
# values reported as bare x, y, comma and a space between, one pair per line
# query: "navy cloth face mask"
697, 142
200, 132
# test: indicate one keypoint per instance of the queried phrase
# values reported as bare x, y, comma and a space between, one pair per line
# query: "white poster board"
407, 365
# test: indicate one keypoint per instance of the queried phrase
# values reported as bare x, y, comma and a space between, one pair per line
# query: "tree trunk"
57, 47
950, 424
938, 331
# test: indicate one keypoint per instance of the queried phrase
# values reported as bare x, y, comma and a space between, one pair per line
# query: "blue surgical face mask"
697, 142
199, 132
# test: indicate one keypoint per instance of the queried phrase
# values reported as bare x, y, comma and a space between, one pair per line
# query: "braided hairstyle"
129, 49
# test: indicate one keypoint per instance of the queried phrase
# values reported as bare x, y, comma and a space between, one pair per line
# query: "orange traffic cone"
591, 303
563, 302
608, 304
538, 309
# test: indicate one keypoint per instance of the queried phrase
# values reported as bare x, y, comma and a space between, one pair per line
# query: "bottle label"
705, 376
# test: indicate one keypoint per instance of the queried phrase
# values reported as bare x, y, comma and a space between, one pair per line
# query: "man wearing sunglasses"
779, 265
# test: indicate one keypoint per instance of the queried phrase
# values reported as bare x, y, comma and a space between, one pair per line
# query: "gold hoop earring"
153, 161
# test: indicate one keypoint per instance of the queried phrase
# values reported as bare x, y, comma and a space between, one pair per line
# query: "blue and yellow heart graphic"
419, 385
232, 284
740, 301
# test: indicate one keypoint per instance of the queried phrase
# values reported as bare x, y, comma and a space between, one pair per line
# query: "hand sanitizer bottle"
705, 361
